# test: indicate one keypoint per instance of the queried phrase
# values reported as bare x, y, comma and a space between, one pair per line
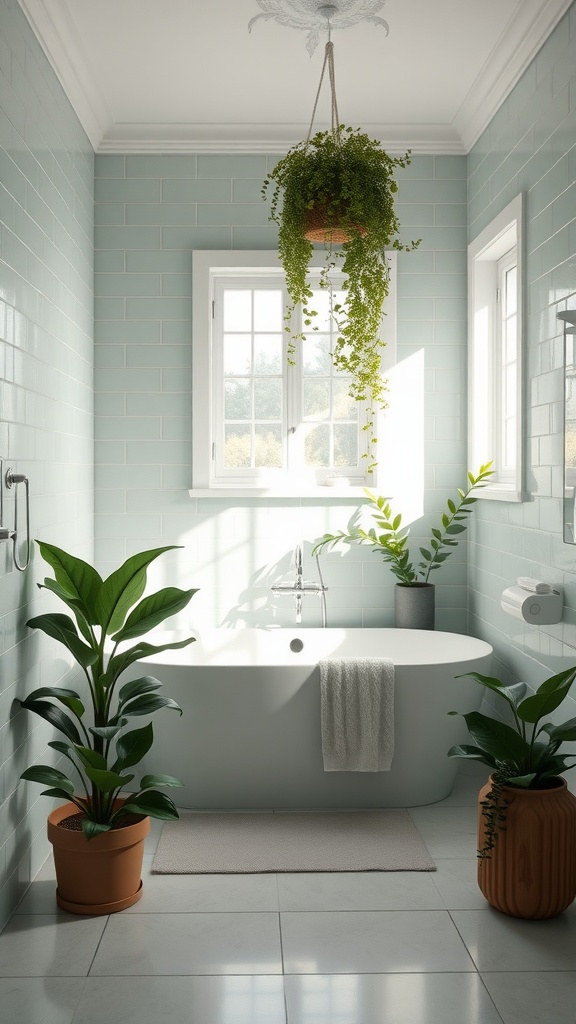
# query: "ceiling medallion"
315, 17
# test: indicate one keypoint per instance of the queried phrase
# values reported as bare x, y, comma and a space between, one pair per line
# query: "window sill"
328, 491
501, 492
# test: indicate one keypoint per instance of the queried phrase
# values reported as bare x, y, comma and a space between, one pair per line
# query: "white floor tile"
186, 894
371, 942
533, 997
45, 945
456, 882
389, 999
360, 890
500, 943
39, 1000
217, 1000
447, 831
41, 895
187, 944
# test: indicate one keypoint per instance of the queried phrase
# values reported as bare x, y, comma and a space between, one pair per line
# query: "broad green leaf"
91, 758
153, 610
159, 780
156, 805
78, 579
124, 587
547, 697
48, 776
94, 828
69, 698
120, 662
492, 683
451, 506
59, 792
467, 750
145, 684
455, 528
61, 627
496, 738
55, 716
565, 733
106, 781
75, 606
524, 781
108, 732
132, 746
148, 703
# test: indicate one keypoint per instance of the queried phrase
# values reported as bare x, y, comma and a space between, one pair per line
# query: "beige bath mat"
237, 843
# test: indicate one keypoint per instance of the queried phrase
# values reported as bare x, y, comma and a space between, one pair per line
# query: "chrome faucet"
299, 586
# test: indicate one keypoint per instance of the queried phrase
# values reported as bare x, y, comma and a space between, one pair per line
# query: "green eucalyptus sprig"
350, 178
108, 614
390, 539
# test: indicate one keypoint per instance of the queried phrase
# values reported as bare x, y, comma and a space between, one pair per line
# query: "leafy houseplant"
348, 178
106, 612
527, 817
390, 539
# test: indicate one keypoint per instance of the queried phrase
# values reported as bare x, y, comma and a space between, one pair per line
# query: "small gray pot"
414, 605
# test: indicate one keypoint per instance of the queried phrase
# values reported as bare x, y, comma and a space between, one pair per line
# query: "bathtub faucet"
299, 586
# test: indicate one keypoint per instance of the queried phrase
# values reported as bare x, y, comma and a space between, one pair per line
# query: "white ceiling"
177, 75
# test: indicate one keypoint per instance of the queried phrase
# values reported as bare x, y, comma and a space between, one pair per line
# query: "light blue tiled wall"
151, 213
46, 414
529, 147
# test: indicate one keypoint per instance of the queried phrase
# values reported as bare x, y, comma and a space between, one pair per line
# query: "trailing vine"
494, 812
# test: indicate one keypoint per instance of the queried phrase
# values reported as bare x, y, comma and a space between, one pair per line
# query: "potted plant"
338, 187
97, 835
414, 596
526, 814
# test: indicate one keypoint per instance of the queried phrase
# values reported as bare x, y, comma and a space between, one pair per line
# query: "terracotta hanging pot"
531, 871
316, 228
100, 875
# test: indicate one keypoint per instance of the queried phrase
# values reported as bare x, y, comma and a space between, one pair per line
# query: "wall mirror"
569, 519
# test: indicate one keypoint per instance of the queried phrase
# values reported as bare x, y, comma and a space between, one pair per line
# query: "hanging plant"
346, 179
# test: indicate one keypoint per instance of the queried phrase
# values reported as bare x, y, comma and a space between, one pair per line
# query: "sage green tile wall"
46, 409
152, 211
529, 147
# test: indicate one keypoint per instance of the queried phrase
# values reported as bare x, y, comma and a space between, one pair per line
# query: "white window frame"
499, 245
209, 267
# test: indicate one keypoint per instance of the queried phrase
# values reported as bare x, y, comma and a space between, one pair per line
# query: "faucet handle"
298, 558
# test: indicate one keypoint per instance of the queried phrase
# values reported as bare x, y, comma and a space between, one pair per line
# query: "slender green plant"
350, 178
389, 539
524, 754
108, 614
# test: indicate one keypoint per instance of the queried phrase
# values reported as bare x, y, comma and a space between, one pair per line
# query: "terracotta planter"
316, 229
100, 875
414, 605
531, 872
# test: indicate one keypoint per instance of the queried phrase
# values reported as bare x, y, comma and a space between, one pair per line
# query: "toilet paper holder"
537, 609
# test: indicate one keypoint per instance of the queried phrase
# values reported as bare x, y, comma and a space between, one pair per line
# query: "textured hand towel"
534, 586
357, 713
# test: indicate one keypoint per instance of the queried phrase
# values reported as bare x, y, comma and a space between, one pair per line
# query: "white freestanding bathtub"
250, 735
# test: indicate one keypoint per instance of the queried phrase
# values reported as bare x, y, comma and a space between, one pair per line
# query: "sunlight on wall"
401, 445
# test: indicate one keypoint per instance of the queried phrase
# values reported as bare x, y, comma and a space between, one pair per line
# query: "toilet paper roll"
537, 609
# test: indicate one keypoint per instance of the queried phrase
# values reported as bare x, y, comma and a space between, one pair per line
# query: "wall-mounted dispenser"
537, 609
8, 480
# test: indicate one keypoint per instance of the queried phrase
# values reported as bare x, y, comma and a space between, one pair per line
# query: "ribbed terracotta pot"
531, 872
100, 875
316, 229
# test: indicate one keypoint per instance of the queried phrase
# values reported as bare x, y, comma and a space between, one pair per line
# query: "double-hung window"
265, 421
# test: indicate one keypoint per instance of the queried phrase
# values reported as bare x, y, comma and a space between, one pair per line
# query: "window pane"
237, 354
344, 407
317, 446
268, 353
345, 444
268, 310
237, 445
316, 355
320, 302
268, 399
268, 445
510, 443
510, 394
510, 291
316, 399
511, 331
237, 400
237, 310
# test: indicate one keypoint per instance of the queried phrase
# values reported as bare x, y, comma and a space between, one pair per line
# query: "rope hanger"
328, 63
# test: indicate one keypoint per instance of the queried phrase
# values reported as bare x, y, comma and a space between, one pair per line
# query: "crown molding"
51, 26
516, 48
265, 138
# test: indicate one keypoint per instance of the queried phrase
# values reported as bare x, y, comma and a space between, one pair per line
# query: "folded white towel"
535, 586
357, 713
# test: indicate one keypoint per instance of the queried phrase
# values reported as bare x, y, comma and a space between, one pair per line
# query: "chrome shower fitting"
299, 586
11, 479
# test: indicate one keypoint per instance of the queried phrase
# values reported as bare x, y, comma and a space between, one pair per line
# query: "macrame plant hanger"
328, 10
